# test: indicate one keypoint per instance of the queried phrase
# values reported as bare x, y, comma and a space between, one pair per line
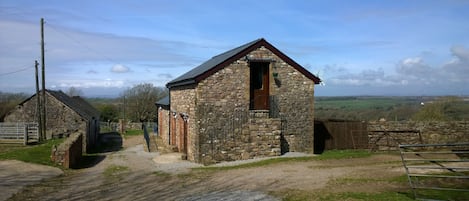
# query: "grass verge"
309, 196
39, 154
128, 133
327, 155
114, 171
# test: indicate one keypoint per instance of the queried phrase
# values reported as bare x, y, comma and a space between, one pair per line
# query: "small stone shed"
251, 101
65, 115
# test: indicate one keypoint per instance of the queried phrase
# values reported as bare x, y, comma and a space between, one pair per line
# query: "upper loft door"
259, 86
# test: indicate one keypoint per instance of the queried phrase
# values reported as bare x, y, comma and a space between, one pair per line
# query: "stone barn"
251, 101
65, 115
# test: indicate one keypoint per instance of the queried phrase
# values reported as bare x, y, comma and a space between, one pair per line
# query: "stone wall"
225, 95
295, 97
61, 119
69, 152
219, 124
163, 124
183, 110
226, 138
388, 134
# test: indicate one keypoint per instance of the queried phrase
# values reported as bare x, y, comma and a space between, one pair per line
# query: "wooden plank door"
259, 86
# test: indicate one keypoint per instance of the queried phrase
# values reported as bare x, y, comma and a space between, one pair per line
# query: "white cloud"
165, 75
107, 83
413, 67
119, 68
460, 52
412, 61
412, 76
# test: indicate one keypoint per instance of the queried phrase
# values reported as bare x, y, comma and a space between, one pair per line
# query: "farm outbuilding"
64, 115
251, 101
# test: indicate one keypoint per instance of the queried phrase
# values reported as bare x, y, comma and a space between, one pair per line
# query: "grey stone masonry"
212, 117
386, 135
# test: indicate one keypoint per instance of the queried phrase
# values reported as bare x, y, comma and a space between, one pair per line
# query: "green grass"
327, 155
299, 195
133, 132
39, 154
162, 174
343, 154
114, 171
442, 195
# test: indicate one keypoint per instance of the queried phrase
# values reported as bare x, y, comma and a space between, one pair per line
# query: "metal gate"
433, 169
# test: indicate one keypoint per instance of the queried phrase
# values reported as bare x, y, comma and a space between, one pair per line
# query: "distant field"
363, 103
390, 108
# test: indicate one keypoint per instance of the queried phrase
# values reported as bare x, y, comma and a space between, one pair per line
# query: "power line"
17, 71
78, 42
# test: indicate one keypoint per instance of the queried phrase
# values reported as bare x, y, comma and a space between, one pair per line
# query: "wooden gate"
19, 133
339, 134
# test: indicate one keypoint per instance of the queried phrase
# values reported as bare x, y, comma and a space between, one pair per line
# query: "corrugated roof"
220, 61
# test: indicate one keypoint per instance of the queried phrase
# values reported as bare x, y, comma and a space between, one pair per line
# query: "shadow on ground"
107, 143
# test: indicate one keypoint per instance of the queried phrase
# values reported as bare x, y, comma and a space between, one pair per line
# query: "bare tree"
140, 101
8, 101
72, 91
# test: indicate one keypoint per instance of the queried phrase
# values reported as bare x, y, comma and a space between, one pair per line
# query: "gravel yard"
133, 174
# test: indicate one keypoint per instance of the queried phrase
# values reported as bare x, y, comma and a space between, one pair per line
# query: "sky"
378, 48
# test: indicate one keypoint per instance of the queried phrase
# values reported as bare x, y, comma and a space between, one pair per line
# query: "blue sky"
356, 47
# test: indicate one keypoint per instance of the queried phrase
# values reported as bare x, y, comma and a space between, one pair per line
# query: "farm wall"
388, 134
69, 152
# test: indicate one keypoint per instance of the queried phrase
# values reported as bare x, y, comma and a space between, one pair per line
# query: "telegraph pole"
38, 104
43, 65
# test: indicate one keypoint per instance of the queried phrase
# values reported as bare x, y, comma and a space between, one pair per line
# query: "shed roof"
77, 104
220, 61
164, 101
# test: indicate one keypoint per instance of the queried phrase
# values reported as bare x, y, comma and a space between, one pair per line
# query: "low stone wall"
260, 137
68, 154
387, 135
114, 126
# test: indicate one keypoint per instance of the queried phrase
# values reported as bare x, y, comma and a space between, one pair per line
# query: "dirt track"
137, 177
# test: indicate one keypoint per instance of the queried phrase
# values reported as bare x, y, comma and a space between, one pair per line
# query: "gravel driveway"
151, 176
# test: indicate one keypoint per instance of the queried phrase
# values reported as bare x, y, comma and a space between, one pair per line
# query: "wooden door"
259, 86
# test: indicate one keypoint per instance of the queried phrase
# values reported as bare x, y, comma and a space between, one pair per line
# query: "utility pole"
38, 104
43, 65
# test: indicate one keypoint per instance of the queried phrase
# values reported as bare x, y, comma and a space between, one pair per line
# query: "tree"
439, 110
72, 91
8, 101
139, 102
109, 112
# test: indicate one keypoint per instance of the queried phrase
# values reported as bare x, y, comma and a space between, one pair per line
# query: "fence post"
25, 134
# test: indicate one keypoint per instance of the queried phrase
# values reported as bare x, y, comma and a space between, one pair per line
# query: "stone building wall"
163, 124
416, 132
223, 98
61, 119
295, 95
183, 103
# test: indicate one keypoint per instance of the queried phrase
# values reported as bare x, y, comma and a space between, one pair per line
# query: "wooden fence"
19, 133
339, 134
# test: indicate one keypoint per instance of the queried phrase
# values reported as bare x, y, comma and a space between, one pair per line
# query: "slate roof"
164, 101
220, 61
77, 104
